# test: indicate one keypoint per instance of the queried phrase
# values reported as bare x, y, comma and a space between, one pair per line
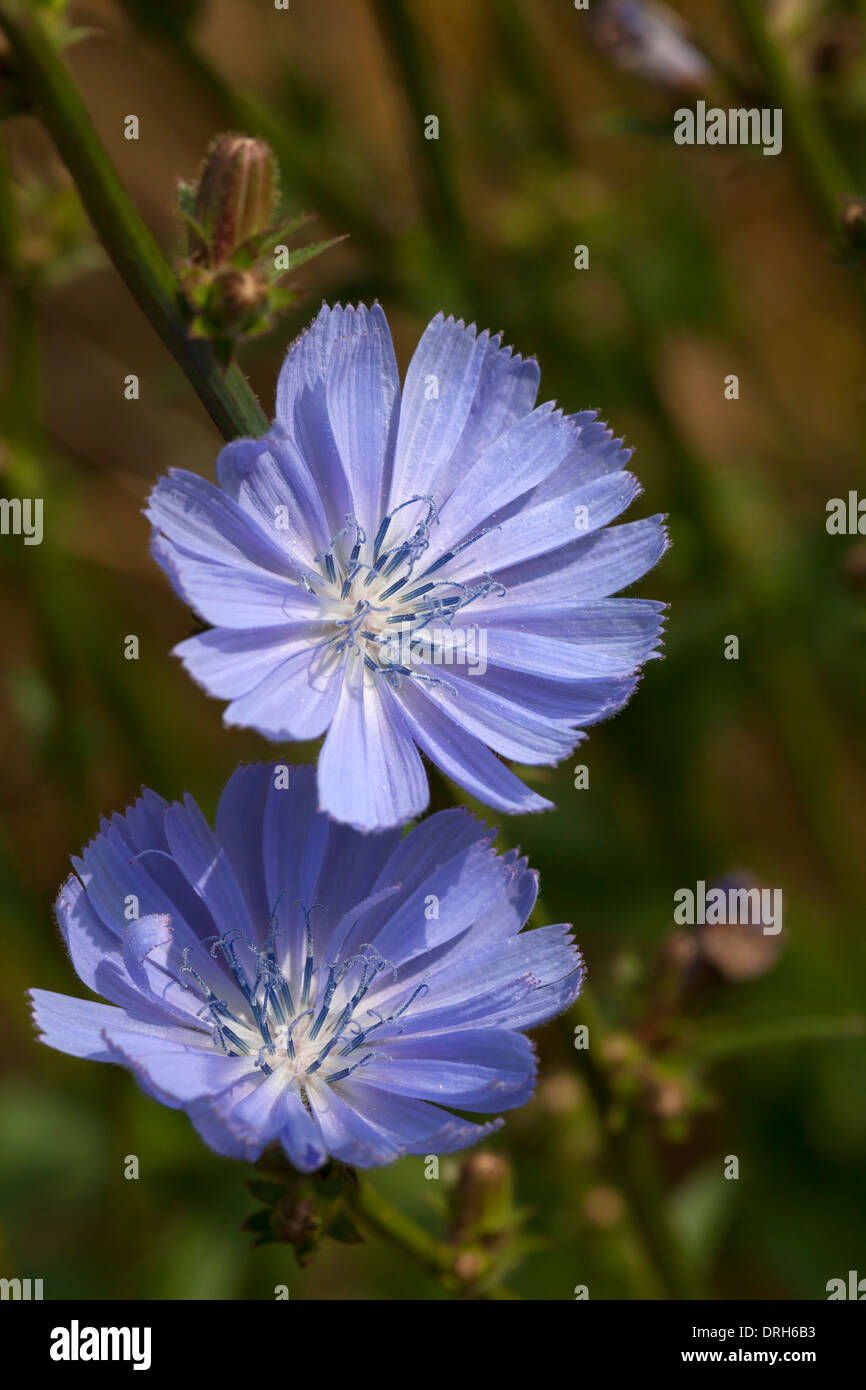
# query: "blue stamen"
347, 1071
326, 1003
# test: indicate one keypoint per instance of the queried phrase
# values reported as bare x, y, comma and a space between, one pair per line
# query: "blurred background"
555, 132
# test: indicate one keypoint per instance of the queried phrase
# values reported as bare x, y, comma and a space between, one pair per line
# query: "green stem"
634, 1164
226, 395
432, 162
824, 172
631, 1154
630, 1150
378, 1217
713, 1045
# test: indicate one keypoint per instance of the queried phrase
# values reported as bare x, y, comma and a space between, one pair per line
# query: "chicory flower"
429, 571
286, 979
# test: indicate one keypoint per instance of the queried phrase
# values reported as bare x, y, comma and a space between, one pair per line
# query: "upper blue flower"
339, 554
290, 980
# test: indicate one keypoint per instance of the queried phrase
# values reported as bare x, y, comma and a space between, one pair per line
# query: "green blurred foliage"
703, 262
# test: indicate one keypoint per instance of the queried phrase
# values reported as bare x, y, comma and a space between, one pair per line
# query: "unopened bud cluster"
230, 271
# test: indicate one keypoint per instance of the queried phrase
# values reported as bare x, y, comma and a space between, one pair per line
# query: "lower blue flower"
288, 979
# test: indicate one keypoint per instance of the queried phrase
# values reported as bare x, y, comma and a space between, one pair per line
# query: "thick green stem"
226, 395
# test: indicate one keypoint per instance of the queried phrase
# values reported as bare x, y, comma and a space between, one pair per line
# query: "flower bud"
481, 1203
235, 198
649, 40
603, 1207
234, 296
854, 222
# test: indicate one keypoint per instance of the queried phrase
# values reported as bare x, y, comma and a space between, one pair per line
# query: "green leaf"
307, 253
343, 1229
712, 1045
267, 1192
701, 1209
259, 1221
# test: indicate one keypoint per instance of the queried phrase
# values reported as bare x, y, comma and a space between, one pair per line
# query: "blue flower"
339, 555
288, 979
649, 40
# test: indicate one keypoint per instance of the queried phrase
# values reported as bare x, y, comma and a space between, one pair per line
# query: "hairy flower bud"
235, 198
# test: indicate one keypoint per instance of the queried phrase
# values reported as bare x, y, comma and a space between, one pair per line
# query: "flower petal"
235, 596
270, 480
521, 457
539, 526
370, 773
440, 388
464, 757
481, 1069
363, 405
596, 567
296, 699
230, 662
510, 729
77, 1026
203, 520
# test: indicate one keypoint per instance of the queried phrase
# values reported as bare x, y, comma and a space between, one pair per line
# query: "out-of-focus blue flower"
341, 553
288, 979
649, 40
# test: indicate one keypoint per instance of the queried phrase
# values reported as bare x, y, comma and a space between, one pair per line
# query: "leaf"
330, 1181
712, 1045
343, 1229
259, 1221
701, 1209
186, 199
267, 1192
307, 253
